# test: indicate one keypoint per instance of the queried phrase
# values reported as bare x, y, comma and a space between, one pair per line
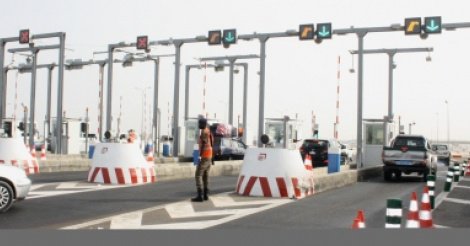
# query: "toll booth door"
373, 143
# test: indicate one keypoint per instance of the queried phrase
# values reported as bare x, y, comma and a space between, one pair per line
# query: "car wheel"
398, 175
6, 196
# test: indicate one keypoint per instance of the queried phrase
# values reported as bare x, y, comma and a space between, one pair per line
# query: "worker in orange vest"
205, 143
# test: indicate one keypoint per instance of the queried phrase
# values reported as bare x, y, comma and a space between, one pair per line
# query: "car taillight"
325, 161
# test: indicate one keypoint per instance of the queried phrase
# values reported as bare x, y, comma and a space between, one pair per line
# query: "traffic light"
324, 31
230, 37
412, 26
306, 32
24, 36
214, 37
432, 24
142, 43
21, 126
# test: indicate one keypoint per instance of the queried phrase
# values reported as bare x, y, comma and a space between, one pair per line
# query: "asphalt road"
332, 209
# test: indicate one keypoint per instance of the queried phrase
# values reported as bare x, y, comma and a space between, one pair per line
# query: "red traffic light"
142, 43
24, 36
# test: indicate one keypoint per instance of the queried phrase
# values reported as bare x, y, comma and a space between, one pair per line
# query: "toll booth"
377, 133
282, 132
8, 129
74, 136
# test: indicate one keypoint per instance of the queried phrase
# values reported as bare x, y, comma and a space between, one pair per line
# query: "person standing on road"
205, 143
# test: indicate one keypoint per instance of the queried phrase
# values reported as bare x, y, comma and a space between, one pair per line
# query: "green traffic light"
433, 24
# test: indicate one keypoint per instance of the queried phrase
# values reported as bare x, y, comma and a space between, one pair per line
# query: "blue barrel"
196, 157
91, 150
147, 148
334, 160
166, 149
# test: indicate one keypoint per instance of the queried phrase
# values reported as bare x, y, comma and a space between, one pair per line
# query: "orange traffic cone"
425, 217
413, 214
43, 153
308, 162
359, 221
33, 151
150, 158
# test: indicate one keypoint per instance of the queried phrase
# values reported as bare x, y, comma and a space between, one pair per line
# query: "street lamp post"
448, 123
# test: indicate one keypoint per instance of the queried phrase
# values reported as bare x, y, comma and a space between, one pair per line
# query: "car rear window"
315, 144
410, 142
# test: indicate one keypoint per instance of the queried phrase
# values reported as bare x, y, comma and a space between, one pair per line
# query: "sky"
301, 76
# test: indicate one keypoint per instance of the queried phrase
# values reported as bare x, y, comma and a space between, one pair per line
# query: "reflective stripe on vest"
205, 144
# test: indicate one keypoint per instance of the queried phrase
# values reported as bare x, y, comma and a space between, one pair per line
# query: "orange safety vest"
205, 144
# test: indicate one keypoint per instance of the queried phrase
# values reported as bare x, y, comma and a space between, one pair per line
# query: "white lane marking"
455, 200
71, 188
462, 186
185, 209
440, 226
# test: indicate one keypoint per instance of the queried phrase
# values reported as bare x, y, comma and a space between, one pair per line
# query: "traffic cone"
462, 169
413, 214
150, 158
456, 172
359, 221
43, 153
394, 213
33, 151
467, 170
308, 162
431, 186
425, 217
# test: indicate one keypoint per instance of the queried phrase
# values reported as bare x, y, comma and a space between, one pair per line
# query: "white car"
14, 186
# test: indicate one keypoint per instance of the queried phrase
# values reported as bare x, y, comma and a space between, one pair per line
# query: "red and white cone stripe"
274, 187
150, 158
119, 175
413, 214
467, 170
308, 162
425, 217
29, 166
33, 151
43, 153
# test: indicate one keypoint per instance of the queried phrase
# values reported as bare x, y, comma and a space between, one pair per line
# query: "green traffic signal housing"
229, 37
433, 24
324, 31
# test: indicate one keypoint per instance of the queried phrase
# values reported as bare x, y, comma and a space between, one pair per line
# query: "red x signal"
24, 36
142, 42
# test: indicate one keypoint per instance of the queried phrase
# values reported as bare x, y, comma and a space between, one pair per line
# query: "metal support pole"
159, 116
25, 123
49, 99
262, 77
86, 131
390, 86
2, 81
156, 117
230, 96
32, 103
186, 92
60, 93
109, 100
101, 95
245, 101
176, 107
360, 69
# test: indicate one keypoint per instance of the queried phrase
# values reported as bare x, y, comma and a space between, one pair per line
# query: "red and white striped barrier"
274, 173
14, 152
467, 170
120, 163
308, 162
